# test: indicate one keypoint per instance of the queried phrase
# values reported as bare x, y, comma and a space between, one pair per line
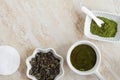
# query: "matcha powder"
108, 29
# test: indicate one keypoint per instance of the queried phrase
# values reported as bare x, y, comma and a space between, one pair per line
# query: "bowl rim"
98, 61
44, 51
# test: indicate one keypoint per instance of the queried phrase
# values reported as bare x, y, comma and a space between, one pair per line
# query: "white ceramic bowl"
96, 66
111, 16
44, 51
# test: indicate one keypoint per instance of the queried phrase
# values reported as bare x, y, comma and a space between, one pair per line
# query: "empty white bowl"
111, 16
38, 50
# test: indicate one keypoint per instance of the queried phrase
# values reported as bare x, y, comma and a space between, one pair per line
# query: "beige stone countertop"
28, 24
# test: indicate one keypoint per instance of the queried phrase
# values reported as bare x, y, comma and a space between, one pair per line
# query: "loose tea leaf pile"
45, 66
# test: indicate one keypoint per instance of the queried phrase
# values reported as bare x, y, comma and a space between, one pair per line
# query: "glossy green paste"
108, 29
83, 57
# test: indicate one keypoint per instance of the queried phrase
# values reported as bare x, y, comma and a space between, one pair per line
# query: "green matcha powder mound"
108, 29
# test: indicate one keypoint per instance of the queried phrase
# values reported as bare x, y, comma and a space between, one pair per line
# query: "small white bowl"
98, 60
111, 16
44, 51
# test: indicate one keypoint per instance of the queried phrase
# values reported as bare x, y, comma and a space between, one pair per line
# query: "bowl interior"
111, 16
44, 51
97, 61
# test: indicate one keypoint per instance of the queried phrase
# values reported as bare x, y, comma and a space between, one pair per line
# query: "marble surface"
28, 24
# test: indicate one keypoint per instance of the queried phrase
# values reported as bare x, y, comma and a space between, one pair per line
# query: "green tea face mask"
83, 57
108, 29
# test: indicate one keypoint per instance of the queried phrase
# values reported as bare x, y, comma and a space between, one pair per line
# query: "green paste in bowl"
83, 57
108, 29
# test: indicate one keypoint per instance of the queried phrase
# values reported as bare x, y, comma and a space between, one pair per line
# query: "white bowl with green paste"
84, 58
109, 33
